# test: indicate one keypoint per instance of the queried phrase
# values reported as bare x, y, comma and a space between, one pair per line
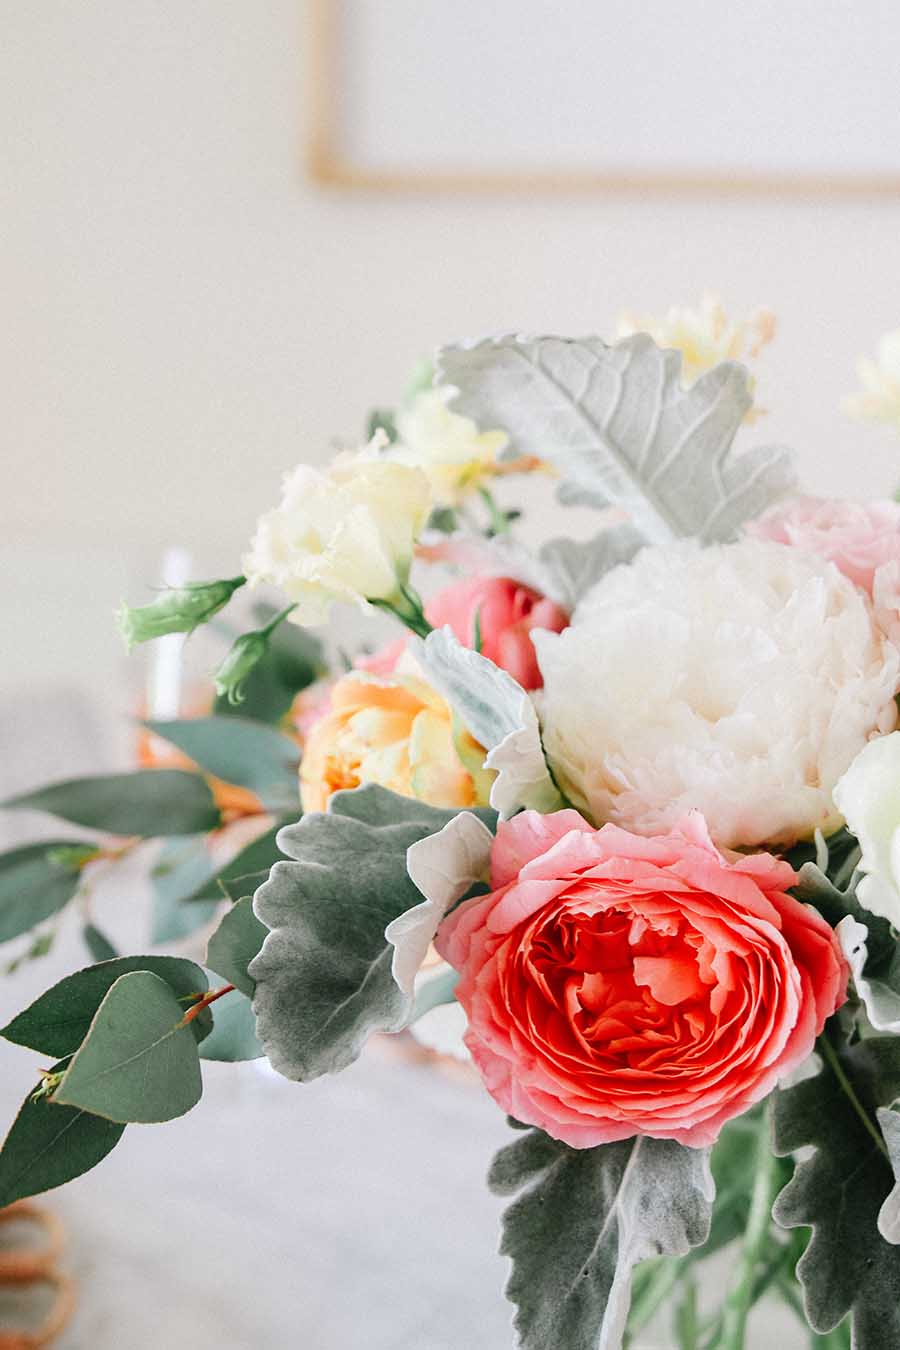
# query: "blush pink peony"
858, 537
617, 985
504, 611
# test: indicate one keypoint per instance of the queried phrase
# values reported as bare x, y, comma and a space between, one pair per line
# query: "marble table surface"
348, 1213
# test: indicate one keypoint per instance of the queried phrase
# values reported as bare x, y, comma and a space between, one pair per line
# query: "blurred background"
216, 260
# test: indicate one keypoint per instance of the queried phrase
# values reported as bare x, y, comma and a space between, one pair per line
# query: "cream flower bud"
868, 796
347, 533
879, 400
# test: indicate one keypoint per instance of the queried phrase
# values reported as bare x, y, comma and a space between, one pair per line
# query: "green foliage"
59, 1020
235, 943
98, 944
233, 1037
139, 1060
381, 419
293, 659
251, 865
840, 1189
240, 751
583, 1220
35, 882
48, 1145
622, 431
178, 609
323, 979
183, 866
148, 802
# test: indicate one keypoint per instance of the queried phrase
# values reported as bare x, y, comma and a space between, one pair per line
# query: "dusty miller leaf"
323, 977
839, 1191
572, 567
584, 1219
500, 715
622, 430
889, 1214
443, 866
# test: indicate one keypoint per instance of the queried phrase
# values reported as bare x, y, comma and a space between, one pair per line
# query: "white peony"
448, 448
739, 680
868, 796
345, 534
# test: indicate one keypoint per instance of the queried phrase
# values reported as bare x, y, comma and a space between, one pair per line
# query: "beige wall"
183, 316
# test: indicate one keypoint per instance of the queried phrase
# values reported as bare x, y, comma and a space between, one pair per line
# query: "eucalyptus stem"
740, 1297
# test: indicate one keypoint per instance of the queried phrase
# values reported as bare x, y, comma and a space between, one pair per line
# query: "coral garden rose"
739, 680
618, 985
498, 610
397, 732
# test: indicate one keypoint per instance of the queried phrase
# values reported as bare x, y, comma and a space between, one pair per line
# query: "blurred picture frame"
437, 96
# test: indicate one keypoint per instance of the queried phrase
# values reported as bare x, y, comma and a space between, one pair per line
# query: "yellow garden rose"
397, 732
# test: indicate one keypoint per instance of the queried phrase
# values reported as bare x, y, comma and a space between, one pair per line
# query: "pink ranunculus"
503, 610
618, 985
858, 537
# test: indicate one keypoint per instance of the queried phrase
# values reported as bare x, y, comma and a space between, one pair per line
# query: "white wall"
184, 316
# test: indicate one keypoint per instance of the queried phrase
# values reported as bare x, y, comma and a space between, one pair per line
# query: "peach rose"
397, 732
505, 612
858, 537
618, 985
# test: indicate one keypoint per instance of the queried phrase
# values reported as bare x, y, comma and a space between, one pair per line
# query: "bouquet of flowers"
629, 804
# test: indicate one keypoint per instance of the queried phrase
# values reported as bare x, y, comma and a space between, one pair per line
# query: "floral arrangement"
630, 805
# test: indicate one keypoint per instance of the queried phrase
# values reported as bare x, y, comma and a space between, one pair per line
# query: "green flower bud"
245, 654
180, 609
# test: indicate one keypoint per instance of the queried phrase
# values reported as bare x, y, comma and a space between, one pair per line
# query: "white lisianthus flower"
344, 534
705, 336
868, 796
739, 680
448, 448
879, 400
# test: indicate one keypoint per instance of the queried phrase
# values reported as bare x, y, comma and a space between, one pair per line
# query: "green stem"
273, 623
740, 1298
829, 1054
406, 605
657, 1288
499, 520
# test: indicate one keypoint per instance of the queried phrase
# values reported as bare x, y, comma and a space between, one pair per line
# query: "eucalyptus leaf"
58, 1021
622, 430
97, 943
834, 904
183, 866
573, 566
583, 1220
256, 857
139, 1060
839, 1188
48, 1145
235, 943
498, 712
241, 751
323, 977
34, 885
233, 1037
148, 802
